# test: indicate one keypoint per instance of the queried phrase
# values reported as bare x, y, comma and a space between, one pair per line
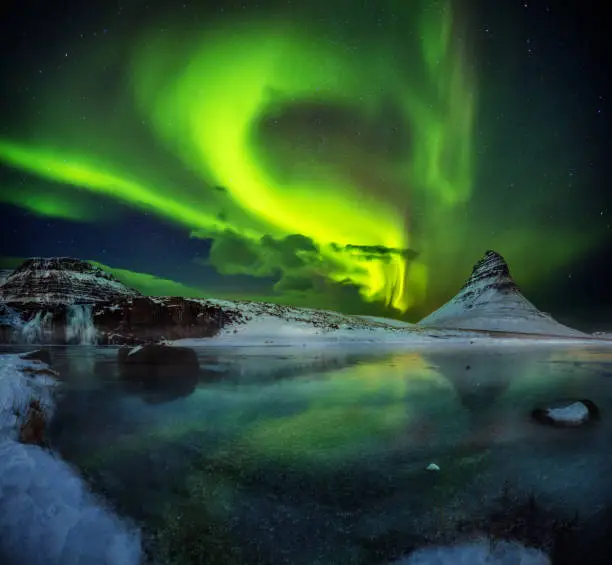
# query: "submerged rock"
567, 413
159, 373
155, 361
42, 355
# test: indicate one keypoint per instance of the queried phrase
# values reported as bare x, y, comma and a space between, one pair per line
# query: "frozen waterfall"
39, 329
79, 325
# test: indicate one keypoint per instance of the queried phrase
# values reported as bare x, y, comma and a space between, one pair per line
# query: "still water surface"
289, 456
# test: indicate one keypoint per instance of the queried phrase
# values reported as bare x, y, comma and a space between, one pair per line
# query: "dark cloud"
375, 252
293, 263
294, 256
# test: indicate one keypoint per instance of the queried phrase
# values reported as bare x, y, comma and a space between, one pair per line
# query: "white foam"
79, 325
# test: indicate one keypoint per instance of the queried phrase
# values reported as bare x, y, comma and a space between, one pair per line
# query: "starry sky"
352, 155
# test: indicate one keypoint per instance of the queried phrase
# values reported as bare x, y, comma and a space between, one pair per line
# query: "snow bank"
47, 516
479, 552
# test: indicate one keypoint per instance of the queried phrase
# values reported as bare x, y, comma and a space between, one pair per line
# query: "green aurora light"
208, 97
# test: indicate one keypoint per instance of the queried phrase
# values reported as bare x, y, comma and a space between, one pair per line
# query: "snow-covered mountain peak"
491, 271
490, 300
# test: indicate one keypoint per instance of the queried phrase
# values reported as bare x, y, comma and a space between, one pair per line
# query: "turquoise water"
292, 456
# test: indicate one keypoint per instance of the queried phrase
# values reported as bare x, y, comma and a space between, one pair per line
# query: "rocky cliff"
138, 320
60, 281
490, 300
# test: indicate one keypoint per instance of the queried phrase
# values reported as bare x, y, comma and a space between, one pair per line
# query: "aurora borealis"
339, 154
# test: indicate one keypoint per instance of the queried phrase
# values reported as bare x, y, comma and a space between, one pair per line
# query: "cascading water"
39, 329
79, 325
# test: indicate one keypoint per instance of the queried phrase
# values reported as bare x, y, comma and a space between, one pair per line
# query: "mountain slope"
490, 300
134, 319
58, 281
4, 274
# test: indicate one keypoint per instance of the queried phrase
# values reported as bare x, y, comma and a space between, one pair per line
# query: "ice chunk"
572, 413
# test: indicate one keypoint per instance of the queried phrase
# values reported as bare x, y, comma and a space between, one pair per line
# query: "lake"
300, 456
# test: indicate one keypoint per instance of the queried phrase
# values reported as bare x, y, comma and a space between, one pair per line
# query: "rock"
49, 282
432, 467
136, 321
491, 301
32, 431
42, 355
567, 413
159, 373
158, 390
42, 370
154, 361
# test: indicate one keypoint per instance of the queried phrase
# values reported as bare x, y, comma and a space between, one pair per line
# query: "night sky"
357, 155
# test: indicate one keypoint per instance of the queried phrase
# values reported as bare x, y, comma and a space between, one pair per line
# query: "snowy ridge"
490, 300
603, 335
47, 515
265, 324
256, 322
60, 280
296, 316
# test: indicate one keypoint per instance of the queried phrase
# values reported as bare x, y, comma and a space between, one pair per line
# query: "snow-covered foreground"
47, 515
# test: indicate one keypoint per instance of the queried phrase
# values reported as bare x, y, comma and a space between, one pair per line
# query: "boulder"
567, 413
32, 431
42, 355
159, 373
157, 361
135, 321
